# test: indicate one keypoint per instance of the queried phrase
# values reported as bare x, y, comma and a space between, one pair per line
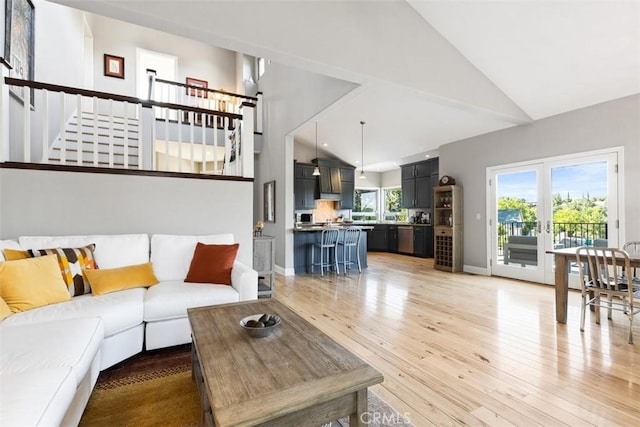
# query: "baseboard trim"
476, 270
284, 271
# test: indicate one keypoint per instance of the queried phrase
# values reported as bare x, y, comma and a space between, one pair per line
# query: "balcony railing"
565, 234
72, 126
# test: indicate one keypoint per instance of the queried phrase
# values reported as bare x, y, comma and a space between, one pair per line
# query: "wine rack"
447, 245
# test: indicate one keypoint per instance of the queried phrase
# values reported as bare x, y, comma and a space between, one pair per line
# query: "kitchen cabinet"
417, 184
423, 241
347, 199
419, 246
392, 238
304, 186
302, 241
377, 238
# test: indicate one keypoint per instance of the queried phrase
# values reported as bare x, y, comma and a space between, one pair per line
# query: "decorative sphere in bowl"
260, 325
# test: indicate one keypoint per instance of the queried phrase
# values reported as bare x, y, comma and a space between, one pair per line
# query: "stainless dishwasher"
405, 239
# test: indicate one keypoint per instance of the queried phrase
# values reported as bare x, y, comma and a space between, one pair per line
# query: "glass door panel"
582, 204
517, 249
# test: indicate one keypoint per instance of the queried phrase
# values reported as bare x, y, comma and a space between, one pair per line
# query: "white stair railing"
111, 131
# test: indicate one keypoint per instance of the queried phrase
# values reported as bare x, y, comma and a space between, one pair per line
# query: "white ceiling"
431, 72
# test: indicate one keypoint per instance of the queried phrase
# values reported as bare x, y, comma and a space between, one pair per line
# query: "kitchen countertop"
394, 223
338, 226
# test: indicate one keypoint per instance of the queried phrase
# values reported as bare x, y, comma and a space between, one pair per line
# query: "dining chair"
350, 240
633, 249
603, 277
328, 243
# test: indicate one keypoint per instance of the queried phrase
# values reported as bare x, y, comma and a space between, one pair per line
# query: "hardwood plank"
466, 349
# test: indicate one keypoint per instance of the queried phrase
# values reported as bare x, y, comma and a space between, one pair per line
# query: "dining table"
563, 259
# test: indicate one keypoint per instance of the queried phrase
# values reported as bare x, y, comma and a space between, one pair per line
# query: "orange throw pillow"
212, 264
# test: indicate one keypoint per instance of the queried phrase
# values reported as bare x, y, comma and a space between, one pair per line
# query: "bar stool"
329, 243
350, 239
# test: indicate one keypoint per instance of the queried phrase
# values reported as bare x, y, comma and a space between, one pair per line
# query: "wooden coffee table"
297, 376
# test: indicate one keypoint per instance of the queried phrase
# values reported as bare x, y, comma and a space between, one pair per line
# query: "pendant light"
316, 171
362, 175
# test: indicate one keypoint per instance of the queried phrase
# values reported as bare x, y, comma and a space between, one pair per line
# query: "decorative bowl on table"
260, 325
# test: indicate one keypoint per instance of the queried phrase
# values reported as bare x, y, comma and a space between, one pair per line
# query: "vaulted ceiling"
429, 72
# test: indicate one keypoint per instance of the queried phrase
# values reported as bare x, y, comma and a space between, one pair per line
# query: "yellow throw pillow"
5, 311
14, 254
105, 280
32, 282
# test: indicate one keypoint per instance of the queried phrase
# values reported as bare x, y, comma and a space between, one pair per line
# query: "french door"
561, 202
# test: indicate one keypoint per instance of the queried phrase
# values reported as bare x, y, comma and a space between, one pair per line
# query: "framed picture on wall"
18, 46
270, 201
194, 91
114, 66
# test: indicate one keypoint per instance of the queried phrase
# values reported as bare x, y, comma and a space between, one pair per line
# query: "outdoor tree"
393, 199
527, 209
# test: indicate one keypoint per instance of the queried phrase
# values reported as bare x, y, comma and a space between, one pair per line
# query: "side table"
264, 262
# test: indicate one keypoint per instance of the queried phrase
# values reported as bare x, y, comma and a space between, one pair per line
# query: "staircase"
98, 140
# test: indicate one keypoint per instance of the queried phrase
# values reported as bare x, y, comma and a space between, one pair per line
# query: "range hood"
329, 181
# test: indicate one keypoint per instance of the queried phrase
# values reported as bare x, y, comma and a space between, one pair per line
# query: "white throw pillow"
112, 250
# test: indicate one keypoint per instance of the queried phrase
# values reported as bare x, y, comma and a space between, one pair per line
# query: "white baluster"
111, 133
179, 140
125, 126
26, 123
63, 133
203, 127
166, 139
191, 141
79, 144
96, 140
153, 136
227, 148
45, 127
215, 145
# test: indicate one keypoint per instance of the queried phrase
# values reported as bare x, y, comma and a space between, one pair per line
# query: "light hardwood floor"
463, 349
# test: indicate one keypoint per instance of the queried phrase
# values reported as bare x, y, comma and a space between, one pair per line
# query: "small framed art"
114, 66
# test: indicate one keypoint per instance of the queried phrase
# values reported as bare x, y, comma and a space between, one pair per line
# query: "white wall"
291, 97
392, 178
55, 26
36, 202
195, 59
610, 124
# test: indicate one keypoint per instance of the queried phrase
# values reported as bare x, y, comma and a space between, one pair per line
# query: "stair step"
104, 118
74, 150
103, 140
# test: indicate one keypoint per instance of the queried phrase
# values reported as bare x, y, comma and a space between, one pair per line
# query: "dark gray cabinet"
302, 241
423, 241
304, 186
377, 238
392, 238
417, 187
347, 178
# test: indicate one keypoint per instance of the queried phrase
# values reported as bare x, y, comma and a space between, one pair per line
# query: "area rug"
156, 389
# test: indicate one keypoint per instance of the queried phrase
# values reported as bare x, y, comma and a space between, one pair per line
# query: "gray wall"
610, 124
291, 97
64, 203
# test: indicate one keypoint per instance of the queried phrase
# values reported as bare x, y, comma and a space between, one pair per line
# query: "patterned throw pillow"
72, 261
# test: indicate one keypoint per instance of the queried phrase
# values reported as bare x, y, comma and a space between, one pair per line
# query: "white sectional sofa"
50, 356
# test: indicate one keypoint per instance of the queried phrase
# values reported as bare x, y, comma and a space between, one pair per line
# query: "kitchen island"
304, 236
